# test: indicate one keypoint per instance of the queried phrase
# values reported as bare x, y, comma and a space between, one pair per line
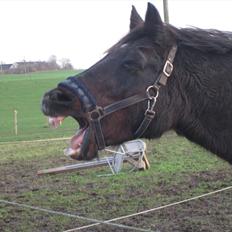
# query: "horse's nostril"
63, 97
53, 96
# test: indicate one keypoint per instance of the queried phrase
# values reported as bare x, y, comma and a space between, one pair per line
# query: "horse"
155, 79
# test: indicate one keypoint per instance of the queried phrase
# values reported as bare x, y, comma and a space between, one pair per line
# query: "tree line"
34, 66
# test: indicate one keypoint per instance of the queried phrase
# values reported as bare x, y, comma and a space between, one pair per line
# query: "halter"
97, 113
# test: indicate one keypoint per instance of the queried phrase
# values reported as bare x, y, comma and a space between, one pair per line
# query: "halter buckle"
168, 68
150, 113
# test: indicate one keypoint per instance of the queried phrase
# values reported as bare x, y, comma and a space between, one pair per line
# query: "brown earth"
85, 194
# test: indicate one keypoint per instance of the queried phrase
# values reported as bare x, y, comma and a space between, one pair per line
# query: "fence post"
166, 14
1, 67
16, 122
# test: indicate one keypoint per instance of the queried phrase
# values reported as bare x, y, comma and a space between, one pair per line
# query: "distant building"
5, 67
27, 65
32, 66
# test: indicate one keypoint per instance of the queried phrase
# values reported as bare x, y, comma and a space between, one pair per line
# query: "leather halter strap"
161, 81
97, 113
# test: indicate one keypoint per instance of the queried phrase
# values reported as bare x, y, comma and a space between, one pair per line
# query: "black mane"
205, 40
209, 40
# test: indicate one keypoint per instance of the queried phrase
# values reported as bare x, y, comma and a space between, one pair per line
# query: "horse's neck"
206, 85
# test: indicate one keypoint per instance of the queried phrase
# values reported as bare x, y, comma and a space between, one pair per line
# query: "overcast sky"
82, 30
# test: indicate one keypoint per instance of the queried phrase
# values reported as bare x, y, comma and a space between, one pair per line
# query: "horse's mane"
210, 40
205, 40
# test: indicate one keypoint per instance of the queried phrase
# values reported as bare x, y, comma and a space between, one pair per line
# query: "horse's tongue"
55, 121
77, 139
75, 143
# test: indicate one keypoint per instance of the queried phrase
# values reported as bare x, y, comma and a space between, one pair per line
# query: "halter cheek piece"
97, 113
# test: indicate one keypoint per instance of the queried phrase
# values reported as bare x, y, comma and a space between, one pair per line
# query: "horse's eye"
132, 66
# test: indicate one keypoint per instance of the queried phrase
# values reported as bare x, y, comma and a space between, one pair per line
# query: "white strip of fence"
50, 211
151, 210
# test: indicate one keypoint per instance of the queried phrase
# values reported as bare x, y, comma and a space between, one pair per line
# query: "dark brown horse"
157, 78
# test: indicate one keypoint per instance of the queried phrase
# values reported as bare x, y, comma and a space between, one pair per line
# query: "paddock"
186, 189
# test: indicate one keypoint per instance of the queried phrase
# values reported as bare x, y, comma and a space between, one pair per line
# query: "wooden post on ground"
16, 122
1, 67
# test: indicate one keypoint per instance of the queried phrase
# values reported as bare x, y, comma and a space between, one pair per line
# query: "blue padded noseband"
78, 88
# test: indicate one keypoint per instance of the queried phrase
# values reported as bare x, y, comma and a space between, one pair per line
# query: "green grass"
179, 170
24, 93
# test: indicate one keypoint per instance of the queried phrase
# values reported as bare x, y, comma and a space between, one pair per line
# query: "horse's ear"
135, 19
152, 18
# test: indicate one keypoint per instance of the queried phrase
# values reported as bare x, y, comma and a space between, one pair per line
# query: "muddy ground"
189, 171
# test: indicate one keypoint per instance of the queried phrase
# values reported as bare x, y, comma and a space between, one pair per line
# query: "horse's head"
109, 100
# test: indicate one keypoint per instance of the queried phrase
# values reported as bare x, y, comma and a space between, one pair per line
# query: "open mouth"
78, 141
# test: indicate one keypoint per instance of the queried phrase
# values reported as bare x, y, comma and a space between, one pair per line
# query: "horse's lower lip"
72, 152
79, 143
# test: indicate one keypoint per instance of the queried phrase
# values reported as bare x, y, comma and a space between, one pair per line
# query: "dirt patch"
83, 193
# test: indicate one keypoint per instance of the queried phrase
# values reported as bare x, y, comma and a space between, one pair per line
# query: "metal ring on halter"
96, 114
154, 89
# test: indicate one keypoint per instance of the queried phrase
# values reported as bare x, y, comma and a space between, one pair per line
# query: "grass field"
23, 93
179, 170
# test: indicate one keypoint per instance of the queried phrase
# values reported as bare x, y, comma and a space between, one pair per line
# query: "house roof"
5, 66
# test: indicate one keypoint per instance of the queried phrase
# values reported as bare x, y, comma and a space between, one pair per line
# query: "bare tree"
66, 63
52, 61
